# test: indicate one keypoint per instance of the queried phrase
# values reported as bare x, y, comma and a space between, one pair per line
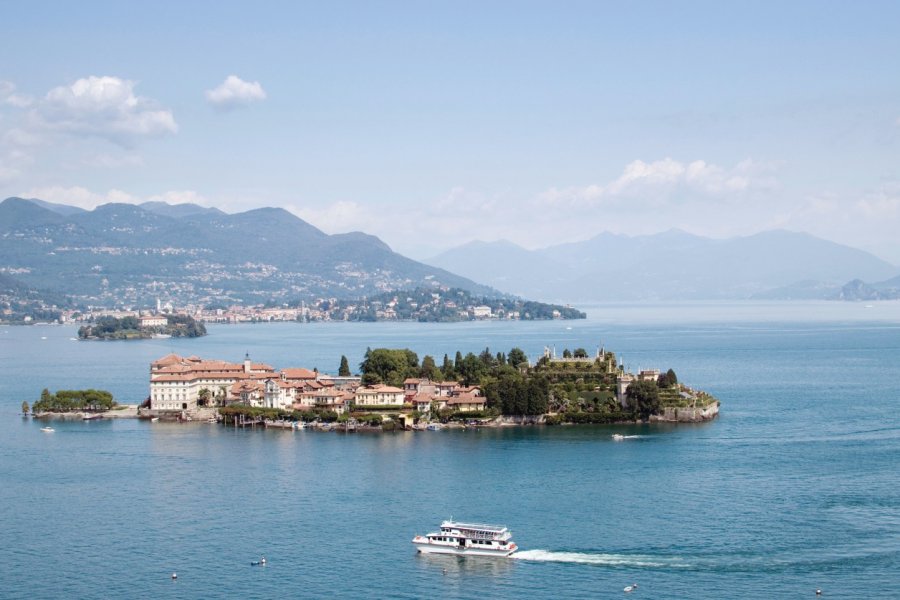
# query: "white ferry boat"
467, 539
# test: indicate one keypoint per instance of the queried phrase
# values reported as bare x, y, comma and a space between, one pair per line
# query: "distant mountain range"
124, 253
673, 265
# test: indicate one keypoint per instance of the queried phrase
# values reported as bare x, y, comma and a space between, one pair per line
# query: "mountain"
125, 253
666, 266
178, 210
62, 209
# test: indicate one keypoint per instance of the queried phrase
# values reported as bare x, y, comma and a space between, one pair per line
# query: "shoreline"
132, 411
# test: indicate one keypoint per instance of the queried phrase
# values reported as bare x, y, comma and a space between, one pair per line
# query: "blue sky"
431, 124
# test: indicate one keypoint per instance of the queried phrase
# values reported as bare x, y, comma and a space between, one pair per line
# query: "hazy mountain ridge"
128, 253
672, 265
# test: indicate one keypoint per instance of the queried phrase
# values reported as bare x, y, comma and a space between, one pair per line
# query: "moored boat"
47, 429
467, 539
91, 417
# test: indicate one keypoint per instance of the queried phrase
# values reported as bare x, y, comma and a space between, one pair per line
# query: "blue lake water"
795, 487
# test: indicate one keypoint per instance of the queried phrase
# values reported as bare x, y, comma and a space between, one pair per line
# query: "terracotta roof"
298, 373
466, 399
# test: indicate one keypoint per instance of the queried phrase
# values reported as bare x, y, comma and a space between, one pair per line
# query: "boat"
433, 427
467, 539
618, 437
47, 429
93, 417
154, 419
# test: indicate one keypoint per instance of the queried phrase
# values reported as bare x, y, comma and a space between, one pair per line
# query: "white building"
379, 395
176, 382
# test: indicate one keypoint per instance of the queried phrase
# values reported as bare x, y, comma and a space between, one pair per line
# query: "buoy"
818, 592
263, 560
174, 575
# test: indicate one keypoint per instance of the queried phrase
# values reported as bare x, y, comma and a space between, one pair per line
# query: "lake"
793, 488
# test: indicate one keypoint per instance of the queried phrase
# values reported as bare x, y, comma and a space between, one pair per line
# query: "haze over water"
793, 488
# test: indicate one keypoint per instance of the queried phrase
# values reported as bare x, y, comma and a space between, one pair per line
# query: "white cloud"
9, 96
665, 181
12, 162
235, 92
104, 107
110, 161
84, 198
78, 196
883, 203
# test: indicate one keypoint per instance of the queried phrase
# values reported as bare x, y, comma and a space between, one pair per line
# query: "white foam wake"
615, 560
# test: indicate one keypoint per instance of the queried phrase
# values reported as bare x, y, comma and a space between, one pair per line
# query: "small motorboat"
48, 429
433, 427
93, 417
258, 563
154, 420
630, 588
618, 437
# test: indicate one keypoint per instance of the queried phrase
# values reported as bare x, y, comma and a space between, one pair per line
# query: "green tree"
344, 369
471, 369
673, 379
580, 353
204, 396
25, 407
517, 358
567, 353
390, 366
643, 398
447, 369
429, 369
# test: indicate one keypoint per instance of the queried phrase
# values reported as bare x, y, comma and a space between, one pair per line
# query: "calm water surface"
794, 488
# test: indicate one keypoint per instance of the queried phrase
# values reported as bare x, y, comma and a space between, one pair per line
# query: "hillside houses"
183, 384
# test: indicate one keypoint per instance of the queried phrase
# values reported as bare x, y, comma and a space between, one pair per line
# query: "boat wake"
602, 559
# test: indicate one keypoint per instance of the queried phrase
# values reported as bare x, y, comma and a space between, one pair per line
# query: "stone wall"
687, 415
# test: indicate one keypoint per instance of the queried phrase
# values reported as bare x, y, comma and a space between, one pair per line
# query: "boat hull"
431, 548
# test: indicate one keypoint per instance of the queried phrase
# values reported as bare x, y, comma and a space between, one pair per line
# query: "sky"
433, 124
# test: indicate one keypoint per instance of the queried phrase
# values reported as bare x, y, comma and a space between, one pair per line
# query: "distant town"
439, 305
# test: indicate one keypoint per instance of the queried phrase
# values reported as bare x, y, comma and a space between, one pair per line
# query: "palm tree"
203, 397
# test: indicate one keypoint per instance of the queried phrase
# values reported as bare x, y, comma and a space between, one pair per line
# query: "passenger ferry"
467, 539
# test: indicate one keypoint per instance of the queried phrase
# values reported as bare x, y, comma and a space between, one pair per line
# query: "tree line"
74, 401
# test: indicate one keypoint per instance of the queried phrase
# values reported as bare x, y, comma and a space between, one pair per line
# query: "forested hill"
425, 304
123, 253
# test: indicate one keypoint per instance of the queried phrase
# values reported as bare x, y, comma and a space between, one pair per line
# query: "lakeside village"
396, 391
437, 304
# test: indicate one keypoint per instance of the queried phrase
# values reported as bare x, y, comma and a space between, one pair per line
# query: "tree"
471, 369
673, 379
25, 407
429, 369
486, 358
567, 353
643, 398
389, 366
447, 369
516, 357
580, 353
344, 369
204, 396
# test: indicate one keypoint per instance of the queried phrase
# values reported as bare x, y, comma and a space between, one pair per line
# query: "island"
141, 327
394, 389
